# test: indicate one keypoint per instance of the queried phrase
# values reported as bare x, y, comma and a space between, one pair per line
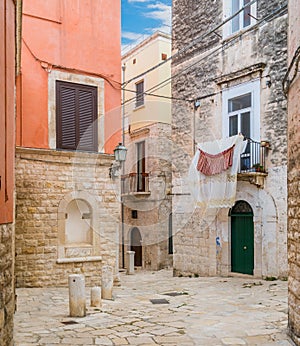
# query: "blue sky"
140, 18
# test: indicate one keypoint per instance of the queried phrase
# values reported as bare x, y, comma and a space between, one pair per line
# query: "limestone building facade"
146, 178
229, 62
292, 88
68, 123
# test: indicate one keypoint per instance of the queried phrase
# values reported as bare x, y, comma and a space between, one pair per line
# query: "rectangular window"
139, 94
141, 167
239, 110
241, 114
76, 116
242, 20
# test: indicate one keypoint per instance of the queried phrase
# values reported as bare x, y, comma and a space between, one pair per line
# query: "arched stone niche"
78, 228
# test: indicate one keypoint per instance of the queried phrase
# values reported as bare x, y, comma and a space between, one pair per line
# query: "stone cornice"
240, 73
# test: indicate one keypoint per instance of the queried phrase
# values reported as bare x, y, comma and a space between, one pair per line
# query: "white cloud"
135, 39
131, 35
162, 13
156, 10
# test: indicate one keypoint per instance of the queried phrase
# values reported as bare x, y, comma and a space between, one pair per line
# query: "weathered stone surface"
46, 182
153, 210
7, 295
294, 178
210, 65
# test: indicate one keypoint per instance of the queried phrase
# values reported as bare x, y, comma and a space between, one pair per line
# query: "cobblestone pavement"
206, 311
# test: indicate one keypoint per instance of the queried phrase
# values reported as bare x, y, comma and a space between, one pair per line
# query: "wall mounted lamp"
120, 153
197, 104
268, 81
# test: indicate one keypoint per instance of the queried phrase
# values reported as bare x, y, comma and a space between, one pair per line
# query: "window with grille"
139, 94
76, 116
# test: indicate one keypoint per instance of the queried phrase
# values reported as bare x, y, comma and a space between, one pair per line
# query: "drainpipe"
123, 166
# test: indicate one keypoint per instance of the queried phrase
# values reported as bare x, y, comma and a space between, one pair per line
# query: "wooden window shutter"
76, 115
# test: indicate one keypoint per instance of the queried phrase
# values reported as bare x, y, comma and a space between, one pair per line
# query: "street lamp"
120, 153
120, 156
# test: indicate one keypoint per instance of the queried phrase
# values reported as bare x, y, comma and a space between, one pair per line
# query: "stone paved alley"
208, 311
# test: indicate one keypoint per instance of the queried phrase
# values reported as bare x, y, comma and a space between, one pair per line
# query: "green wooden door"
242, 243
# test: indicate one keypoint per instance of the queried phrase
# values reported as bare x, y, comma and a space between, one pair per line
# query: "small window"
164, 56
139, 94
243, 19
76, 116
134, 214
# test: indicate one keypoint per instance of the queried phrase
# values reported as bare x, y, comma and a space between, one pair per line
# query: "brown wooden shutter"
87, 120
76, 116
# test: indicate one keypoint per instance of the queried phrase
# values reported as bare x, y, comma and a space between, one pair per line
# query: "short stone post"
107, 282
96, 296
77, 303
130, 262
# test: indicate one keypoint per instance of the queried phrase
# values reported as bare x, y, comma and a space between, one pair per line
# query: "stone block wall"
7, 294
202, 71
294, 177
154, 209
46, 182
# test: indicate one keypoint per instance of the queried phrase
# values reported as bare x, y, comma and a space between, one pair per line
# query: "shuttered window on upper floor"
76, 116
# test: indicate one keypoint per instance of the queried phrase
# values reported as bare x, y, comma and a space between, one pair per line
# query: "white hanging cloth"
217, 190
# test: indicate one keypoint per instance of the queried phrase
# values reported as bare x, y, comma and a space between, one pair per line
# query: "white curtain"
219, 190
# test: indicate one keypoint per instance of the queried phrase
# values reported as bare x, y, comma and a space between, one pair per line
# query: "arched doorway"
136, 246
242, 238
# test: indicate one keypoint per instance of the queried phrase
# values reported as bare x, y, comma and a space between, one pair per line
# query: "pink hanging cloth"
209, 164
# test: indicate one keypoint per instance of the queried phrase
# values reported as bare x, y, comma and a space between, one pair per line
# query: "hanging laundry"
210, 164
213, 172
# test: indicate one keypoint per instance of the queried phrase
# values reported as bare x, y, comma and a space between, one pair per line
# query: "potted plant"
258, 167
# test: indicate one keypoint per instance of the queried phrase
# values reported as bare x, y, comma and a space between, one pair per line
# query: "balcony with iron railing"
253, 162
135, 184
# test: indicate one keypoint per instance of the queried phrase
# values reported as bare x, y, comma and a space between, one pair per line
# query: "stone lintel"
240, 73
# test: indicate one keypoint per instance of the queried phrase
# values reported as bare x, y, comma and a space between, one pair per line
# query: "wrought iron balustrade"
254, 157
135, 183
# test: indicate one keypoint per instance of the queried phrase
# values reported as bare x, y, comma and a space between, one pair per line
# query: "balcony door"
141, 166
241, 114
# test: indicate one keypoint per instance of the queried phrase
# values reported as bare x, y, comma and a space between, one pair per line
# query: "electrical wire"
191, 44
286, 83
50, 65
165, 82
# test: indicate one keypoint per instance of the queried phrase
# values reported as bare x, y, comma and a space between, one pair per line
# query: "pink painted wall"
7, 109
80, 34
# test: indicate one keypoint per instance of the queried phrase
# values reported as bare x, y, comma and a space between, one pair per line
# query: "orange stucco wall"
82, 35
7, 106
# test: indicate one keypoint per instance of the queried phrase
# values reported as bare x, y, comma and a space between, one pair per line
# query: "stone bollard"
96, 296
107, 282
130, 262
77, 295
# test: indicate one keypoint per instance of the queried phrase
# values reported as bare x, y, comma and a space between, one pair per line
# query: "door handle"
245, 247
